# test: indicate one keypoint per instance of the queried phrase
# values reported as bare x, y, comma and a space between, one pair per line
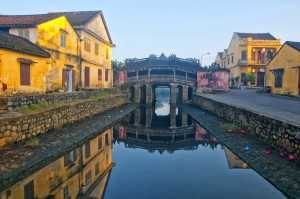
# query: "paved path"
286, 109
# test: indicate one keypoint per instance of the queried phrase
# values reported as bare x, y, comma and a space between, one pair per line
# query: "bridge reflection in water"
153, 130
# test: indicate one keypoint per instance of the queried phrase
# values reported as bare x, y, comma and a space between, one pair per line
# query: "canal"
153, 152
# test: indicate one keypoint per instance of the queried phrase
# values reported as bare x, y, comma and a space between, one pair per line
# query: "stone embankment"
25, 126
14, 103
281, 133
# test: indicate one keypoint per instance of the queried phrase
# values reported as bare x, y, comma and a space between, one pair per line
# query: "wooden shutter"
66, 159
64, 75
29, 190
75, 155
100, 74
87, 150
73, 81
25, 74
106, 74
87, 77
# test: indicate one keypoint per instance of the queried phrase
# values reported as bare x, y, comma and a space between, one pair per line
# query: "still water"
158, 152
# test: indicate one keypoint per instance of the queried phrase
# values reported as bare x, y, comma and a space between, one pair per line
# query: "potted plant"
60, 89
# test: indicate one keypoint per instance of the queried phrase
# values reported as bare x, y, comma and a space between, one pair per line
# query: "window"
278, 78
270, 54
87, 44
66, 192
88, 178
70, 158
244, 55
228, 60
100, 145
107, 159
100, 74
24, 33
87, 150
106, 139
63, 40
29, 190
96, 49
97, 169
232, 59
25, 74
107, 53
106, 74
253, 55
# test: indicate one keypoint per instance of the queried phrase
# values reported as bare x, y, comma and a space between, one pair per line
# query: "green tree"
250, 77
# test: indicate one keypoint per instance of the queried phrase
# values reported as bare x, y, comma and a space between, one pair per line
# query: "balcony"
254, 61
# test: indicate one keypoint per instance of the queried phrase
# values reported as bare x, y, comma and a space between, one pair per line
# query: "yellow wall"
95, 61
49, 38
286, 58
10, 72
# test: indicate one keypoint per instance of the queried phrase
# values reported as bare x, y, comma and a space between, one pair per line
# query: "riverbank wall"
284, 135
25, 126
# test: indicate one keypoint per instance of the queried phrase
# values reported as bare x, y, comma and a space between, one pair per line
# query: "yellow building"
54, 34
96, 48
249, 53
23, 65
81, 173
283, 71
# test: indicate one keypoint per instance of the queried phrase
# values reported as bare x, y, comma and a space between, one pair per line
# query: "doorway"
260, 79
87, 77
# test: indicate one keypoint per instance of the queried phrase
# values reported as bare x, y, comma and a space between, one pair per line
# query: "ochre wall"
49, 38
10, 72
286, 58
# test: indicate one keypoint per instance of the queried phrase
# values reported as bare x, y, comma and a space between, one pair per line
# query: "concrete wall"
286, 58
29, 125
281, 134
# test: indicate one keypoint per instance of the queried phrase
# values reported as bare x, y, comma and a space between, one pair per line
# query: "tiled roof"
257, 36
295, 45
24, 20
77, 18
20, 44
220, 54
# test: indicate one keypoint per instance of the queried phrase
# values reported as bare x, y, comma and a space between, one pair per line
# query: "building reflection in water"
82, 173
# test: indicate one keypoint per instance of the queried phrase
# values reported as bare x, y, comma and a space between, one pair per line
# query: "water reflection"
81, 173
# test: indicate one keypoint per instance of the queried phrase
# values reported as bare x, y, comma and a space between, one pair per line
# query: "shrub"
34, 107
32, 143
233, 126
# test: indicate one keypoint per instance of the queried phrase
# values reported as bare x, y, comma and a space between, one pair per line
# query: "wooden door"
260, 79
86, 77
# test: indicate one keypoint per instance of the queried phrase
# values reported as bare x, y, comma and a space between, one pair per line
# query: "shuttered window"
87, 150
88, 178
29, 190
63, 40
278, 78
106, 139
107, 53
106, 74
25, 74
87, 44
243, 55
100, 143
97, 169
100, 74
96, 49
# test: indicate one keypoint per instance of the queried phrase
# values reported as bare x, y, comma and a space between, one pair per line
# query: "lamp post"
202, 56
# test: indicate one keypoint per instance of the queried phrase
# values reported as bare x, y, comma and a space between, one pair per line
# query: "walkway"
283, 108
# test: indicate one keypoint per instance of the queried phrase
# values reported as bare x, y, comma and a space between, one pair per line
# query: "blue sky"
186, 28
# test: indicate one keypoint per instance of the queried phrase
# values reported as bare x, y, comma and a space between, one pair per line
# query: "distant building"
219, 59
23, 65
283, 71
249, 53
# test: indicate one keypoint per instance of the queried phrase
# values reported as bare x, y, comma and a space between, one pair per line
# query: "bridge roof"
163, 62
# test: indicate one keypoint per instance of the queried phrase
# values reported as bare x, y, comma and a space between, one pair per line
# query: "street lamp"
202, 56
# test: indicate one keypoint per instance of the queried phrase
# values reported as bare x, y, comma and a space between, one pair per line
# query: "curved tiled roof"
20, 44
